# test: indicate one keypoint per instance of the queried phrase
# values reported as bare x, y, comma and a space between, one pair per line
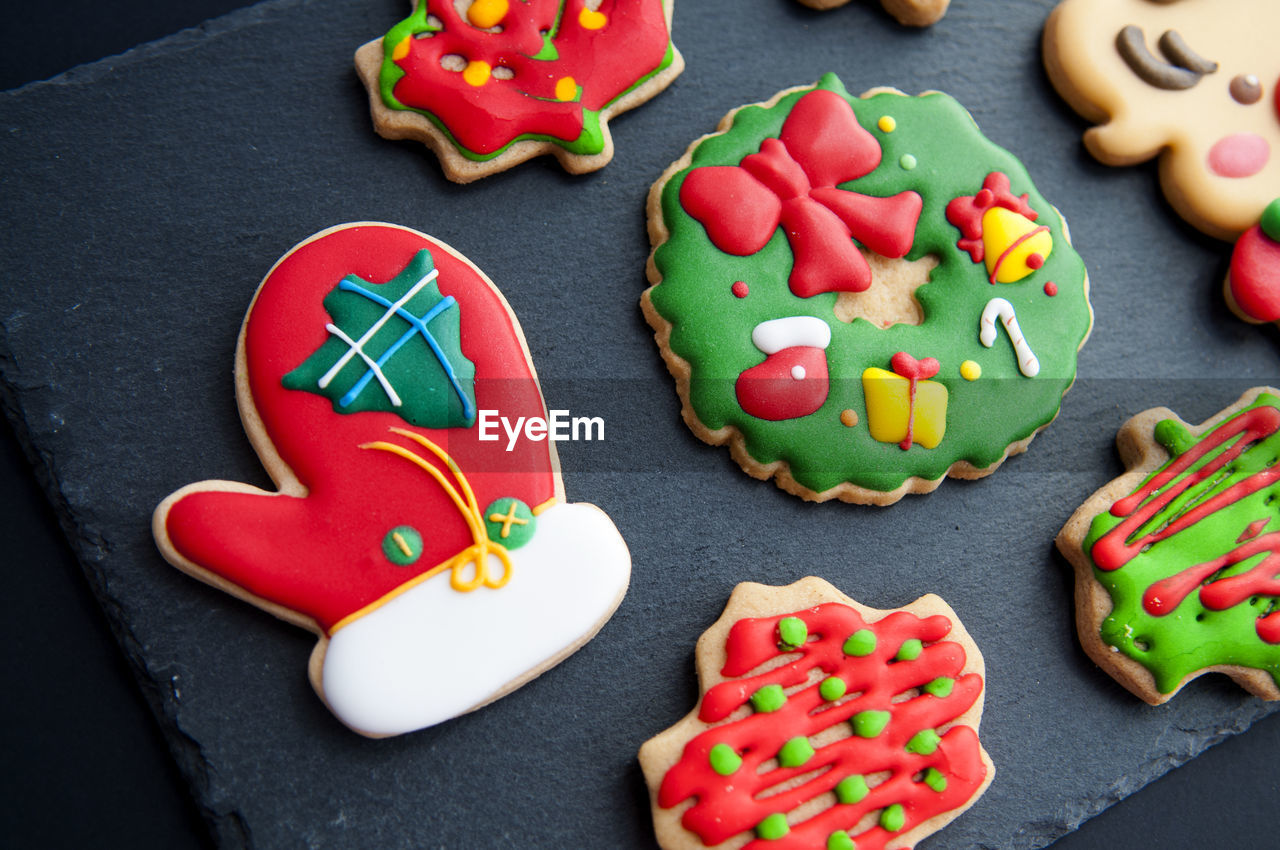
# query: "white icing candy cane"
999, 307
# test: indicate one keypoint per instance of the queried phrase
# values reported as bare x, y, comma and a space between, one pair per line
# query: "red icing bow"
791, 183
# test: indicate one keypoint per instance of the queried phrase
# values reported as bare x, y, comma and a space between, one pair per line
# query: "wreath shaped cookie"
487, 84
862, 295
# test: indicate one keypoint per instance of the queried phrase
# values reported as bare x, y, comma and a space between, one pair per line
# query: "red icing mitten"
1253, 283
792, 381
434, 555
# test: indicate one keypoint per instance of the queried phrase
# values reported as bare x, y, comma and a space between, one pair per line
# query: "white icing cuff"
776, 334
433, 653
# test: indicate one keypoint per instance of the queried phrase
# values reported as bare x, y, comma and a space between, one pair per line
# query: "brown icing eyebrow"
1189, 68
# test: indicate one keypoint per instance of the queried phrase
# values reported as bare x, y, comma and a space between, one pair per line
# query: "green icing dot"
793, 632
924, 742
910, 650
795, 752
510, 522
773, 827
769, 698
868, 724
840, 840
940, 687
832, 688
1271, 220
852, 789
1174, 436
894, 817
402, 545
907, 162
935, 780
724, 760
860, 643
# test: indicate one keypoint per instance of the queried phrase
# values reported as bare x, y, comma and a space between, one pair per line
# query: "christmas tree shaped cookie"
440, 570
487, 84
822, 724
1177, 571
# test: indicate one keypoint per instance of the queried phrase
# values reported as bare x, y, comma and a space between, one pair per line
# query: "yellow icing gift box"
889, 405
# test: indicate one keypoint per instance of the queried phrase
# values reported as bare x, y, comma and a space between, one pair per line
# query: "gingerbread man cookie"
487, 84
912, 13
1177, 571
439, 568
862, 296
1196, 82
822, 724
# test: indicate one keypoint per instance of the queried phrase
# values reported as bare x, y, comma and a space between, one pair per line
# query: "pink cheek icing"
1239, 155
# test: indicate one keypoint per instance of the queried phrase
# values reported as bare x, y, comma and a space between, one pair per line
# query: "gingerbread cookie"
440, 569
862, 295
1177, 572
913, 13
487, 84
1196, 82
822, 724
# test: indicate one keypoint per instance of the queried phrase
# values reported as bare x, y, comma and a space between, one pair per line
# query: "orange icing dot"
401, 49
477, 73
487, 13
566, 88
848, 418
590, 19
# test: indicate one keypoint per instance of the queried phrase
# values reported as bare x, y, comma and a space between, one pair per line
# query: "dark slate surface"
157, 188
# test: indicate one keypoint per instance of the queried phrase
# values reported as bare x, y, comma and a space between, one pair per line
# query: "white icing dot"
797, 372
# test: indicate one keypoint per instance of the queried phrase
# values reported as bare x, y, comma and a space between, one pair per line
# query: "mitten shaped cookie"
440, 566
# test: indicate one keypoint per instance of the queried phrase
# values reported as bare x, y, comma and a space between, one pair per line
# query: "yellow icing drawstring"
477, 553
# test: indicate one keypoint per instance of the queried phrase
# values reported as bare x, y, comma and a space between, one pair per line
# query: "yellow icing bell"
889, 405
1015, 246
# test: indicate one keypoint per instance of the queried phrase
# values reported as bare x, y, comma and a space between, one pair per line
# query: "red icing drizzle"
913, 370
791, 183
321, 555
605, 62
1120, 545
966, 213
729, 805
1255, 275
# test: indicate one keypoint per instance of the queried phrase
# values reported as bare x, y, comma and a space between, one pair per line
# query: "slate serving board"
155, 191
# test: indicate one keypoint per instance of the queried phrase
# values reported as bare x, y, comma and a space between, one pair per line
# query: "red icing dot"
1050, 288
984, 198
1035, 261
740, 289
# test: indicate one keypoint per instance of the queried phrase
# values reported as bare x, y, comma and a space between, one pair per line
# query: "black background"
84, 760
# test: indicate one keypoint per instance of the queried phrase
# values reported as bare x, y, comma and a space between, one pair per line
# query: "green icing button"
940, 687
860, 643
793, 632
868, 724
832, 688
910, 650
908, 162
795, 752
769, 698
773, 827
724, 760
509, 522
402, 545
924, 742
893, 818
1271, 220
935, 780
840, 840
852, 789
